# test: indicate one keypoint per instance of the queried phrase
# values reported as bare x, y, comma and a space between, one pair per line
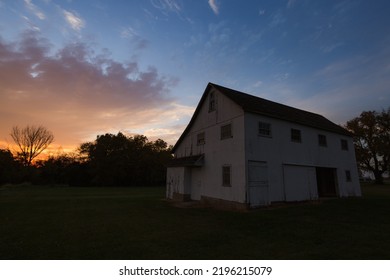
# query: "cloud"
75, 22
219, 32
166, 6
344, 88
277, 19
331, 47
257, 84
290, 3
130, 34
281, 76
78, 93
34, 9
172, 5
213, 5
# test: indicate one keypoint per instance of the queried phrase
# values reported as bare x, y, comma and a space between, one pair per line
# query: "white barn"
241, 151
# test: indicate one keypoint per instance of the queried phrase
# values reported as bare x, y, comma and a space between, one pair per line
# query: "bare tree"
31, 141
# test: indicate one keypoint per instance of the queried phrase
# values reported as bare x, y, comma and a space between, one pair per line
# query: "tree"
120, 160
8, 167
371, 132
61, 169
31, 142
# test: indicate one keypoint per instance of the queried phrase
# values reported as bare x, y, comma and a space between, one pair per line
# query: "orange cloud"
77, 93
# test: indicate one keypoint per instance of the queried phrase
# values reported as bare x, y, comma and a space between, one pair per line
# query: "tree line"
110, 160
120, 160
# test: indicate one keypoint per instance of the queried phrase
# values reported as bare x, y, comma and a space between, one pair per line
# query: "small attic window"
212, 102
200, 139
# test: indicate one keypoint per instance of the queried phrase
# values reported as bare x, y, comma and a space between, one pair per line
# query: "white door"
257, 184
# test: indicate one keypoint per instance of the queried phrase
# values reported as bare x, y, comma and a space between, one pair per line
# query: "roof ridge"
262, 98
258, 105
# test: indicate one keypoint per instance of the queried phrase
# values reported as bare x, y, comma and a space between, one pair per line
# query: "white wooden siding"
279, 151
217, 152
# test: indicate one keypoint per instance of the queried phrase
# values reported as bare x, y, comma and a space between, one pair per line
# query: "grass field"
136, 223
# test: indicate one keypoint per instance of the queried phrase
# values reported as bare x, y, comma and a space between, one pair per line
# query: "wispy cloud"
214, 6
257, 84
75, 21
172, 5
348, 86
277, 19
130, 34
34, 9
166, 5
290, 3
332, 47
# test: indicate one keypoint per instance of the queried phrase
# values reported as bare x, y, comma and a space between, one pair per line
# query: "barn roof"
264, 107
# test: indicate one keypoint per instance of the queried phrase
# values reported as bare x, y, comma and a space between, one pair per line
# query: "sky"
90, 67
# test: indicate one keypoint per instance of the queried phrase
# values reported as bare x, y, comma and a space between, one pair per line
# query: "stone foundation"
181, 197
223, 204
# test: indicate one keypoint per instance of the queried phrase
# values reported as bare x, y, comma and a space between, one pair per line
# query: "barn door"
326, 182
257, 184
299, 183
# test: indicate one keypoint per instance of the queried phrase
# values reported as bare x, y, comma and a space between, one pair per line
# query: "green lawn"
136, 223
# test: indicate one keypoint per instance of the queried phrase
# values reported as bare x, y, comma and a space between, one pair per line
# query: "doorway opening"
326, 182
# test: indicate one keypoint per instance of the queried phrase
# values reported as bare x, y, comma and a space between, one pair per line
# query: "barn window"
226, 175
296, 135
344, 144
212, 102
348, 176
322, 140
265, 129
226, 131
200, 139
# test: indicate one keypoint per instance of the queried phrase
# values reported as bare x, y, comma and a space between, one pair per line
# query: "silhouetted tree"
31, 141
122, 160
8, 167
372, 141
57, 170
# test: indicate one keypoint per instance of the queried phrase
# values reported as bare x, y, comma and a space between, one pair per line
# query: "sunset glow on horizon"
86, 68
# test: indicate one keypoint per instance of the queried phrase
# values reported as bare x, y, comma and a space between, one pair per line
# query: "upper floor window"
212, 102
265, 129
226, 131
296, 135
200, 139
344, 144
322, 140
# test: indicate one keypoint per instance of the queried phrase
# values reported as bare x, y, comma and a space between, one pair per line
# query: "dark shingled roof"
257, 105
264, 107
